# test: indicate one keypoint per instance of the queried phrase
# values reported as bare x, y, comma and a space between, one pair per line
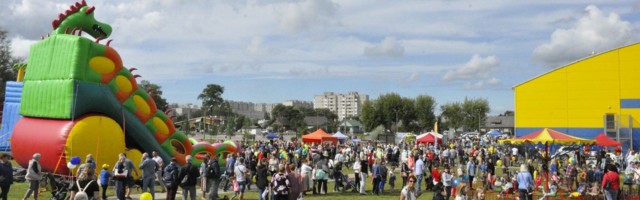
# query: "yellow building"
598, 94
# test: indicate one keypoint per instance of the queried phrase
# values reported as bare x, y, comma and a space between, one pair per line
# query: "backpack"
213, 170
170, 174
81, 194
384, 171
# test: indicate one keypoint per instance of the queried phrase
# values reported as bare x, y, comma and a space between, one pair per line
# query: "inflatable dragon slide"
78, 98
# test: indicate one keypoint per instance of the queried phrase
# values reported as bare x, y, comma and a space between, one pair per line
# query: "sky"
269, 51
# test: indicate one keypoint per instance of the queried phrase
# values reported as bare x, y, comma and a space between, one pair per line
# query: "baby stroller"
59, 187
346, 184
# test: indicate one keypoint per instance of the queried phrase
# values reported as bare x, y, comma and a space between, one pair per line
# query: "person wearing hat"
34, 175
104, 179
6, 176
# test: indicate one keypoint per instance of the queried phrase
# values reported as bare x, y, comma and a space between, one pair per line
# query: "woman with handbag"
120, 177
404, 172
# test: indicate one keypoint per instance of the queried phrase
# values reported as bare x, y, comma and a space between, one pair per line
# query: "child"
480, 193
104, 179
392, 179
236, 187
553, 189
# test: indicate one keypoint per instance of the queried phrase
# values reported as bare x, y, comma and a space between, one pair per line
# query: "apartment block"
344, 105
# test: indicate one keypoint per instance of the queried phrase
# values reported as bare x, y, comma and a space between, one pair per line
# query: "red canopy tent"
319, 136
429, 138
603, 140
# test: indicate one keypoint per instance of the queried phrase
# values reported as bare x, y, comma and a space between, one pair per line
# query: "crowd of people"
460, 169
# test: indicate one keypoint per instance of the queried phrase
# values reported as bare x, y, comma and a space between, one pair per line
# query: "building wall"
575, 98
344, 105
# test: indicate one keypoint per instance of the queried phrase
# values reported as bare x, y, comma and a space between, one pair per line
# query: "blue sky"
268, 51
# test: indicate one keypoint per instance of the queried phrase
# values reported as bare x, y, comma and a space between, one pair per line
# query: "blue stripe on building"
629, 103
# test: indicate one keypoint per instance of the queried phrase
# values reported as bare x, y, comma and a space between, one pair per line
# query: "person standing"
447, 181
148, 167
262, 181
377, 176
525, 183
213, 176
6, 176
160, 163
120, 177
280, 185
204, 181
364, 171
104, 179
419, 172
130, 167
34, 175
305, 171
240, 171
170, 178
86, 182
188, 178
471, 171
405, 171
611, 182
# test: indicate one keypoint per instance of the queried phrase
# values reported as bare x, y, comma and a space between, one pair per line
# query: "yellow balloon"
499, 163
146, 196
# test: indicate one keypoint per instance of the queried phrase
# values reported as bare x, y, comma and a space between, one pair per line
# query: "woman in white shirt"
356, 171
306, 170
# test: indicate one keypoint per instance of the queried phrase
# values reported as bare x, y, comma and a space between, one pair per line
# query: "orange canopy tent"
319, 136
605, 141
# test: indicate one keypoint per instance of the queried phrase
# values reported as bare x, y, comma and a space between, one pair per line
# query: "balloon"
75, 160
146, 196
456, 181
71, 165
499, 163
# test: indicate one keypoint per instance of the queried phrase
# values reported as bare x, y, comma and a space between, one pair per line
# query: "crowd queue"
283, 170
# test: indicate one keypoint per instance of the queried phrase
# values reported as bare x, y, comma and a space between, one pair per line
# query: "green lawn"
18, 189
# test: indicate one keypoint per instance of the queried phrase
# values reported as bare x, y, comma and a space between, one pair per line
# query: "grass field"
18, 189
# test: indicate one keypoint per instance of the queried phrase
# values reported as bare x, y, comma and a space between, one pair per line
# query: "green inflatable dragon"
70, 80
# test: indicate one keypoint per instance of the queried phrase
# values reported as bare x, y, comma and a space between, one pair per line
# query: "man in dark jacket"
261, 177
188, 178
6, 171
213, 176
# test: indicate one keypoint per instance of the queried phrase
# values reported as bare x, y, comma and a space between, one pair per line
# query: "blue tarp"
272, 136
494, 133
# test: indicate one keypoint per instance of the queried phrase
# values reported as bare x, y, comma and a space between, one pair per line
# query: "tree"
451, 115
156, 93
425, 106
7, 62
370, 116
475, 112
467, 115
211, 96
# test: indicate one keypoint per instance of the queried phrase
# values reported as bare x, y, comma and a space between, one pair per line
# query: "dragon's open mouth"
99, 29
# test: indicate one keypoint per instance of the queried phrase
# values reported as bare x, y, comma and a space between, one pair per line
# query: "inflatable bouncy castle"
78, 98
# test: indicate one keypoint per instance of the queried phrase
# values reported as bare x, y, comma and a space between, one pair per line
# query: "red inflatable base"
44, 136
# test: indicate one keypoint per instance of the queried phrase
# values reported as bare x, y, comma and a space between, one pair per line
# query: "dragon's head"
80, 17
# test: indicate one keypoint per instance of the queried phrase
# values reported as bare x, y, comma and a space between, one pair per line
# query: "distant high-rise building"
298, 104
344, 105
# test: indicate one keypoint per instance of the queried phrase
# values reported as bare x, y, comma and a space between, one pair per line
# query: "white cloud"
309, 14
20, 47
595, 31
477, 68
482, 84
389, 47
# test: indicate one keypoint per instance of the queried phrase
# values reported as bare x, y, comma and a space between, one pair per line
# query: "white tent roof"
427, 133
340, 136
